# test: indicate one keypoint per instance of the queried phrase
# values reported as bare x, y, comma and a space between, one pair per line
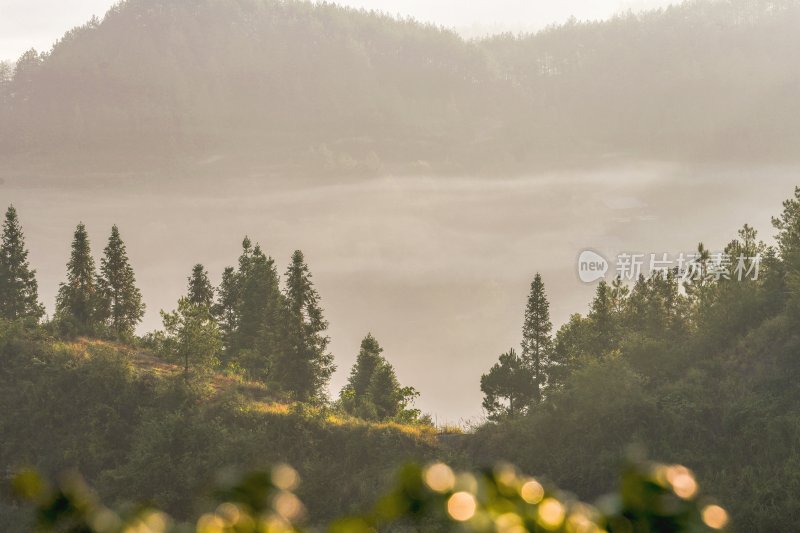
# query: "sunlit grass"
256, 394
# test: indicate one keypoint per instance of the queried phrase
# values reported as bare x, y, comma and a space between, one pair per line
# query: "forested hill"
292, 84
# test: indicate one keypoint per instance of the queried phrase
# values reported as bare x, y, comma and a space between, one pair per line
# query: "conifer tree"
507, 387
574, 343
226, 308
200, 291
384, 392
788, 239
603, 319
368, 359
247, 256
306, 367
77, 297
788, 226
637, 308
619, 295
261, 307
250, 309
537, 340
19, 291
120, 300
373, 391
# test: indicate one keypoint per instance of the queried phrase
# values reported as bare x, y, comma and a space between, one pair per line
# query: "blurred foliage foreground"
651, 498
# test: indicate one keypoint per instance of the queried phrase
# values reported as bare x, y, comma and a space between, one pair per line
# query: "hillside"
295, 88
139, 432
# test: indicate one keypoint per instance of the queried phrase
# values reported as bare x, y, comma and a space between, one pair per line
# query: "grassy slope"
139, 432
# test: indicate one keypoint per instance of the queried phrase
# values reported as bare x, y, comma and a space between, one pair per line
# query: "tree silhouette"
19, 291
507, 387
121, 301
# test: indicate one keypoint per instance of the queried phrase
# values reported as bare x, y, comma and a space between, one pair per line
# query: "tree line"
704, 372
251, 324
664, 304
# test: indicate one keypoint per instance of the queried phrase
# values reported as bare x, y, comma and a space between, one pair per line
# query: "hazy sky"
38, 23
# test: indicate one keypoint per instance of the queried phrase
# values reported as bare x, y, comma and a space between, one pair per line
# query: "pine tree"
120, 300
226, 308
603, 319
619, 295
507, 387
77, 297
247, 256
574, 343
373, 391
19, 291
368, 359
788, 238
200, 291
260, 310
306, 367
259, 338
537, 340
384, 392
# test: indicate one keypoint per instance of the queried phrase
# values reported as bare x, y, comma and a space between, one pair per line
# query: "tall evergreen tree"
574, 343
788, 238
373, 391
306, 367
537, 340
507, 387
619, 295
261, 308
385, 392
120, 300
77, 297
788, 226
226, 308
200, 291
603, 318
19, 292
368, 359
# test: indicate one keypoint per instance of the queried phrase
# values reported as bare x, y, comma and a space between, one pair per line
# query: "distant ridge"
300, 87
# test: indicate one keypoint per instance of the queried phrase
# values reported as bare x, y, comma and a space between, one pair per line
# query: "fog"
436, 268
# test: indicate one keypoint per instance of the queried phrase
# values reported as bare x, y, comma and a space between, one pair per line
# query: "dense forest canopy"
359, 92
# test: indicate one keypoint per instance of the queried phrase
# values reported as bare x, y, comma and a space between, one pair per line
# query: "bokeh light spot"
715, 516
551, 514
682, 482
439, 477
461, 506
285, 477
532, 491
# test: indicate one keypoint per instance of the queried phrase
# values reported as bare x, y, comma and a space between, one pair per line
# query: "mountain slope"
315, 87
